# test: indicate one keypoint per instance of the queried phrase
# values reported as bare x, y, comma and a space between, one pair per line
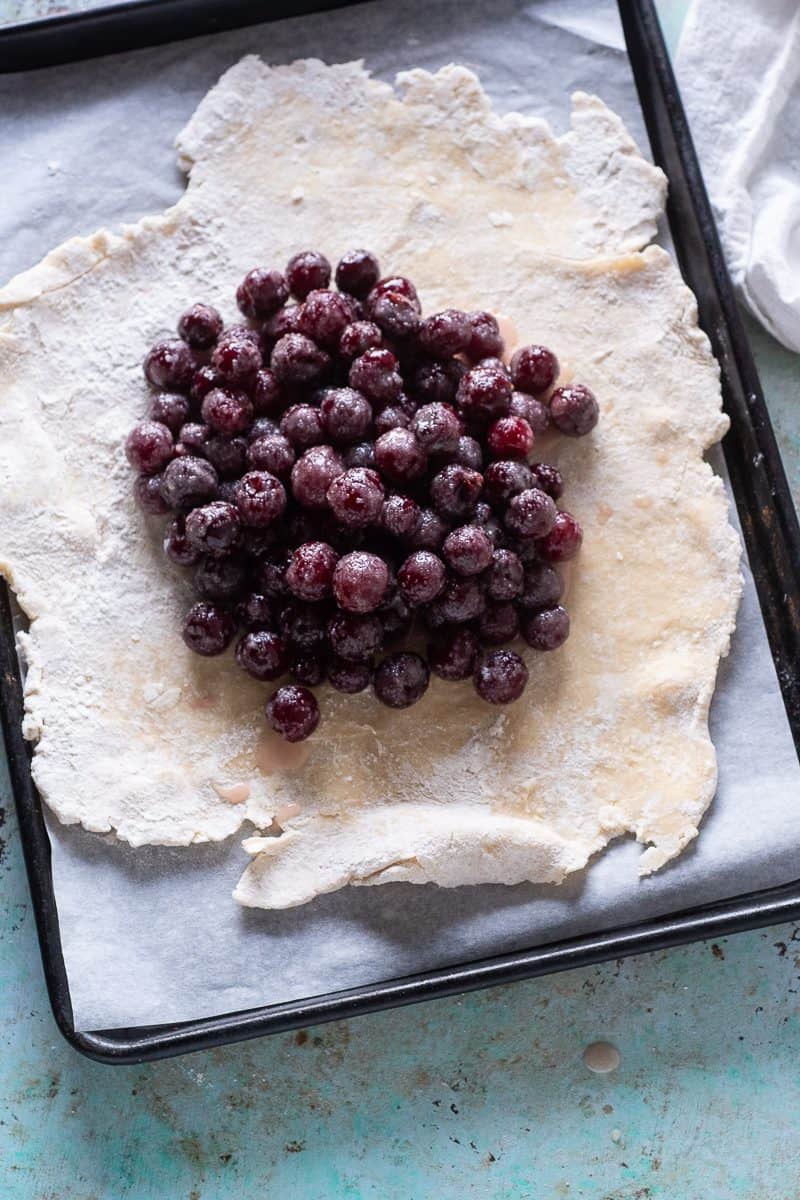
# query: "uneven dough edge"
412, 844
621, 194
548, 858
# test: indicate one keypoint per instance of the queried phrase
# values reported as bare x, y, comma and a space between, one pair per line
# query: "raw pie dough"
136, 735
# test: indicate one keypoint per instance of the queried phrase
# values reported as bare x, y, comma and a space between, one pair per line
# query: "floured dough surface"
136, 735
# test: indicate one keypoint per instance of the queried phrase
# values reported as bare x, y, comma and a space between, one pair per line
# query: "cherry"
562, 542
149, 447
261, 498
170, 365
293, 712
574, 410
262, 654
501, 678
200, 326
208, 629
421, 577
261, 293
534, 369
445, 333
306, 272
309, 575
401, 679
356, 497
546, 629
360, 581
357, 272
454, 653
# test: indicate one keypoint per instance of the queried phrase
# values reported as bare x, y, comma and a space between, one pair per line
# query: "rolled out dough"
134, 734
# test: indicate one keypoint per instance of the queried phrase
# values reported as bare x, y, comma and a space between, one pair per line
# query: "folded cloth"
738, 67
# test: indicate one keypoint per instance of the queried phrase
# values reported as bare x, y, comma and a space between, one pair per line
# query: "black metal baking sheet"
132, 24
771, 535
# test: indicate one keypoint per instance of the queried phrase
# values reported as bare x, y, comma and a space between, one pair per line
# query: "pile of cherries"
345, 476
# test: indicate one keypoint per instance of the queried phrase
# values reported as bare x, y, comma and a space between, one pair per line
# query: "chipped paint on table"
486, 1096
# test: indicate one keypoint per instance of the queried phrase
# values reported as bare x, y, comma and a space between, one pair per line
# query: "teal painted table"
484, 1097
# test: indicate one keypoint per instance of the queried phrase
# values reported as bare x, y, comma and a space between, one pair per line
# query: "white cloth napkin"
738, 67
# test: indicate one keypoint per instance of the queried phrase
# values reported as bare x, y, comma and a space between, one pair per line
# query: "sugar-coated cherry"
546, 629
485, 340
149, 447
177, 546
421, 577
356, 497
357, 272
358, 338
262, 654
302, 426
261, 293
260, 498
349, 677
273, 453
188, 481
445, 333
297, 361
323, 317
293, 712
221, 578
266, 395
505, 575
355, 637
542, 587
375, 373
227, 411
485, 392
498, 624
534, 369
574, 410
208, 629
214, 528
346, 415
454, 653
510, 437
437, 428
462, 600
399, 456
309, 575
170, 408
455, 490
400, 516
360, 581
309, 667
170, 365
401, 679
532, 410
313, 474
530, 514
236, 360
306, 272
506, 478
468, 550
147, 494
501, 678
200, 326
394, 313
562, 542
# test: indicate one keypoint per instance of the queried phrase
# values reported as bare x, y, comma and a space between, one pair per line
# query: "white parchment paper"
152, 935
